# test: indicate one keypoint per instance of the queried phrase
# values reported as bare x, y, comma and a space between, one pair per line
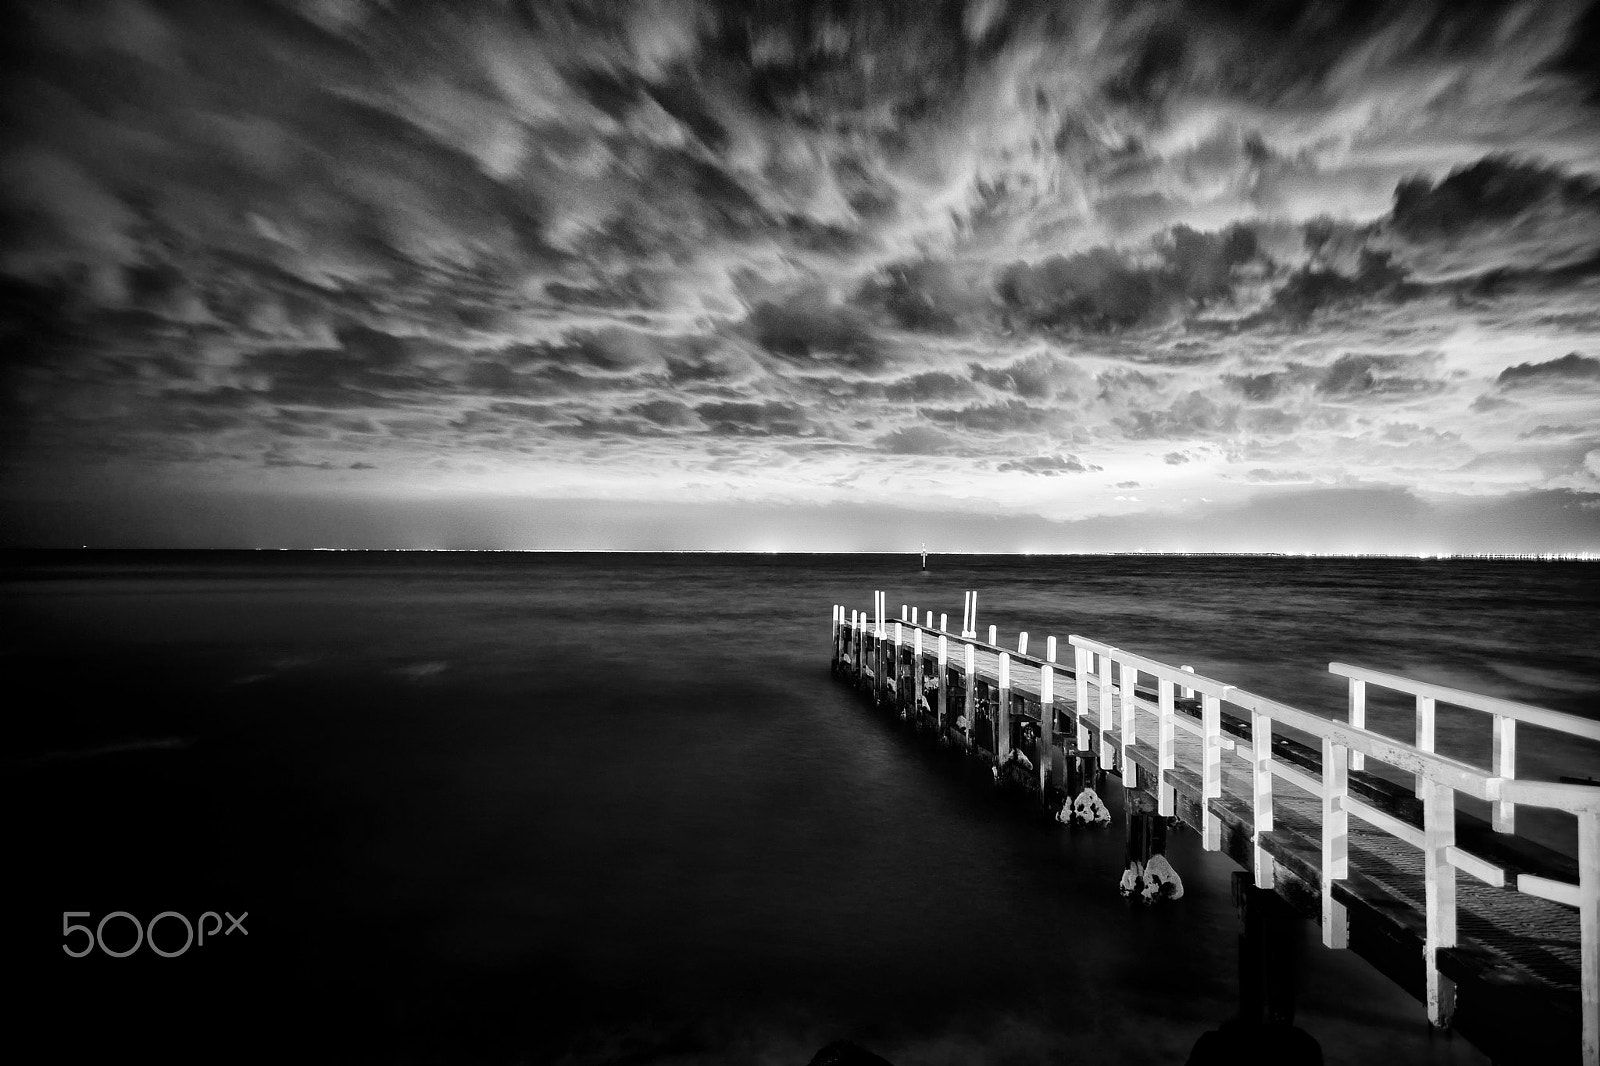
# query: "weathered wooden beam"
1335, 840
1439, 896
1504, 761
1261, 793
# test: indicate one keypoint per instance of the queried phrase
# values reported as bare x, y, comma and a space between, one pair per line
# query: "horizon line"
1572, 556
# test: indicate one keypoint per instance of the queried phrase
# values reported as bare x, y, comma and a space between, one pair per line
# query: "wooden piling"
1439, 895
1335, 839
1261, 780
944, 682
916, 677
1002, 714
970, 696
1047, 713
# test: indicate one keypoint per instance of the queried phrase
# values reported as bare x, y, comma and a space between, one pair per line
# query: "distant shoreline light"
1581, 556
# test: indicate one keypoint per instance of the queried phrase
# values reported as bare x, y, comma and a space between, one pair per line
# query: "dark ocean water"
613, 809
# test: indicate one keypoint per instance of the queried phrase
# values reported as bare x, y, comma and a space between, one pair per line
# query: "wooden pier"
1508, 956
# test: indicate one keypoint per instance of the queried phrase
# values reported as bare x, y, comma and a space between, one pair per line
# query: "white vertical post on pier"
892, 675
1080, 676
1427, 717
1439, 894
944, 681
944, 622
1188, 693
1022, 642
880, 648
916, 675
1358, 718
904, 617
1166, 746
1335, 840
1047, 720
1050, 657
969, 698
1127, 681
1589, 933
913, 616
1261, 792
857, 623
1105, 710
1504, 816
835, 627
1210, 770
1002, 716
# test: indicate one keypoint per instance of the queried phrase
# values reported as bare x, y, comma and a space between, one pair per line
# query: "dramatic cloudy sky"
996, 274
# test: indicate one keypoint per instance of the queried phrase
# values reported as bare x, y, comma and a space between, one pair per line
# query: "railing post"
1188, 693
1261, 790
1589, 932
1022, 642
944, 623
1106, 710
1439, 894
1504, 815
1002, 714
944, 680
1210, 771
1358, 718
857, 621
892, 675
994, 636
1427, 714
913, 616
1047, 715
1080, 674
969, 697
1166, 747
1127, 681
1335, 840
916, 676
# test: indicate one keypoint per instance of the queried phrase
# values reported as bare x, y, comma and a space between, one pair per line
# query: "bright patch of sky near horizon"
1282, 276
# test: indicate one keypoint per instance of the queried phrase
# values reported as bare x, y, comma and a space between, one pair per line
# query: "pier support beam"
969, 695
1266, 954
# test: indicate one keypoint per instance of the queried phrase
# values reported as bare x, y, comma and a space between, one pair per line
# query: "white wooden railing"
1115, 675
1346, 745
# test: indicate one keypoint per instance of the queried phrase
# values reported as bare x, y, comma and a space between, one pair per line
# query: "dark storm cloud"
1361, 375
1192, 415
1494, 190
1570, 368
981, 231
1048, 465
809, 329
1103, 290
737, 419
917, 440
1012, 416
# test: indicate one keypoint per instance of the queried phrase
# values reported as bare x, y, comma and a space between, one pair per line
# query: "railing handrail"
1443, 769
1209, 686
1344, 744
1522, 712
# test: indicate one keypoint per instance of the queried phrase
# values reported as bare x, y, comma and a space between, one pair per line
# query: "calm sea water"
613, 809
